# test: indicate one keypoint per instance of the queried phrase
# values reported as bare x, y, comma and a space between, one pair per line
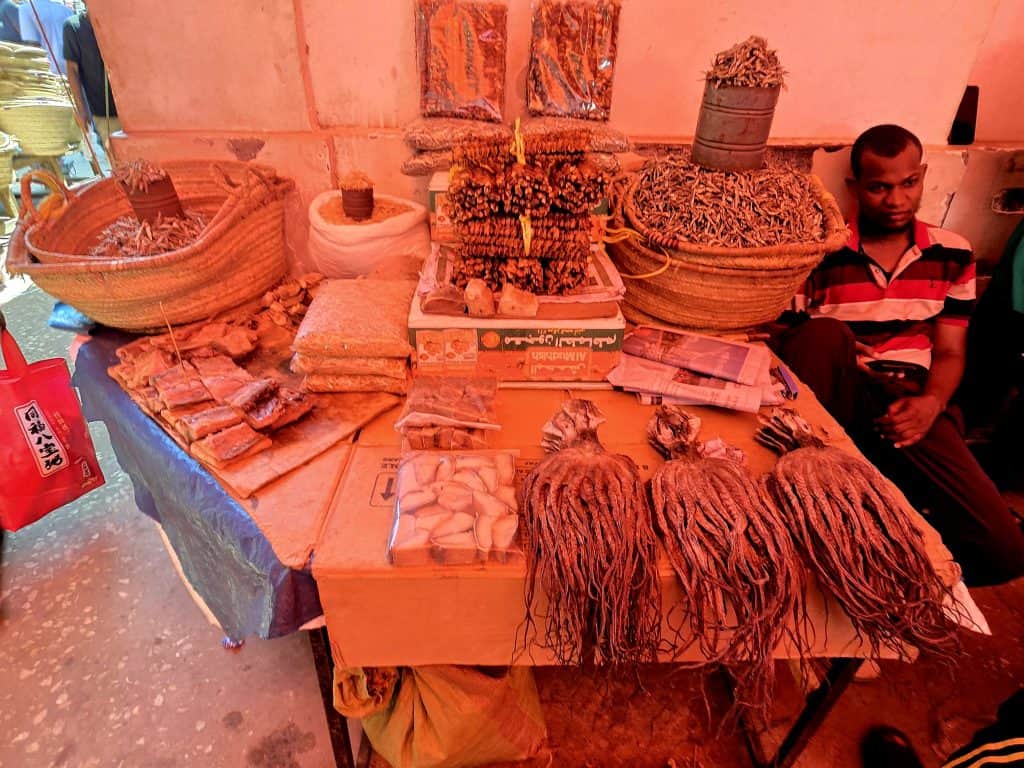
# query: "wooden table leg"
817, 705
337, 726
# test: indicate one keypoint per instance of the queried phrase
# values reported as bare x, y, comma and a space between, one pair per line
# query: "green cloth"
80, 47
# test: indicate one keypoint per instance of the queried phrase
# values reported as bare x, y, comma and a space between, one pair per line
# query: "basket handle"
47, 211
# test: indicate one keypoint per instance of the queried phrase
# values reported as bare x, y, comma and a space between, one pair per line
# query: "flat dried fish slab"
196, 426
229, 445
358, 318
392, 367
353, 383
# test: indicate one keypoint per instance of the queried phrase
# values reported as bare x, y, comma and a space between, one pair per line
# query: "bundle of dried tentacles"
591, 548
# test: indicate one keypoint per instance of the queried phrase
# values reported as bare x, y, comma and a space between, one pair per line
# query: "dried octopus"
591, 547
741, 578
851, 526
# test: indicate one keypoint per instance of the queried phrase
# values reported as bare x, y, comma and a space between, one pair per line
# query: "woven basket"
44, 128
238, 257
713, 287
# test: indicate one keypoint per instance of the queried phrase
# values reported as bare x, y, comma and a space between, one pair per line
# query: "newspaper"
637, 374
746, 364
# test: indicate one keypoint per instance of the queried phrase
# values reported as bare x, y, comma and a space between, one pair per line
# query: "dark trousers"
938, 474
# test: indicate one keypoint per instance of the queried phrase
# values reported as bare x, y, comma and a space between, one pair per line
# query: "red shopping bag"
46, 454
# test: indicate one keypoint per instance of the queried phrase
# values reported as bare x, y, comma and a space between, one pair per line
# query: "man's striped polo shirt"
934, 282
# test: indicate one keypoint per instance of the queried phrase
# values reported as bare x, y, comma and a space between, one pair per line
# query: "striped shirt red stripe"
895, 315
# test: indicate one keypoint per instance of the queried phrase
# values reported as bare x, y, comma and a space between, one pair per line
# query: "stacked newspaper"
674, 367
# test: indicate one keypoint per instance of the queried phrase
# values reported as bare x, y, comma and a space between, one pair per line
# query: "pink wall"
997, 72
317, 87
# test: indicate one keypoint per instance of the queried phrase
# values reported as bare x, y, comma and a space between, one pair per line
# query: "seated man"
884, 351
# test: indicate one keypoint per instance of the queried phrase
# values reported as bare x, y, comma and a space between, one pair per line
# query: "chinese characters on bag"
47, 448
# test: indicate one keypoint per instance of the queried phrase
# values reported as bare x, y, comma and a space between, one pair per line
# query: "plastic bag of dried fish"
572, 61
461, 48
449, 413
455, 508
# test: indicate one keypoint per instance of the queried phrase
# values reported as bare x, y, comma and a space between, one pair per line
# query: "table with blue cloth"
248, 559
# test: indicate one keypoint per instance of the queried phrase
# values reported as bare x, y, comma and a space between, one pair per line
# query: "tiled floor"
105, 661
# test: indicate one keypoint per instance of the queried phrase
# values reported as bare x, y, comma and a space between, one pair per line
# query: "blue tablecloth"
224, 555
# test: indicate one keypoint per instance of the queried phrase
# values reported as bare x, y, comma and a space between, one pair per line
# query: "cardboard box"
515, 350
442, 229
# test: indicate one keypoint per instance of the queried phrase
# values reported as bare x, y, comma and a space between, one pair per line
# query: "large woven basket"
712, 287
43, 127
238, 257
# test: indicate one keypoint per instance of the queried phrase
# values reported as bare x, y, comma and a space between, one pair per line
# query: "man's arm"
75, 85
909, 418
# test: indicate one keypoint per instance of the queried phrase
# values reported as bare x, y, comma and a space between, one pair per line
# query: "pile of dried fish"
137, 175
287, 304
852, 528
741, 578
128, 238
753, 209
591, 547
749, 64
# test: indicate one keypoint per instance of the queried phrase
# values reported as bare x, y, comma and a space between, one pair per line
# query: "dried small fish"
749, 64
136, 175
750, 209
128, 238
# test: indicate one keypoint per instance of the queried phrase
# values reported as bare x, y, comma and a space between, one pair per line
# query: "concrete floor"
107, 662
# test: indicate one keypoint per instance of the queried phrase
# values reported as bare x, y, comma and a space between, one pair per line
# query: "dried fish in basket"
742, 580
129, 238
855, 534
591, 548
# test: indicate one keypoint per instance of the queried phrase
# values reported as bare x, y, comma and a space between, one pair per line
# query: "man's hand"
909, 419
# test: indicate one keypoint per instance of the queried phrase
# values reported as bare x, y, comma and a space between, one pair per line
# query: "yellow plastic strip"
519, 144
527, 228
647, 275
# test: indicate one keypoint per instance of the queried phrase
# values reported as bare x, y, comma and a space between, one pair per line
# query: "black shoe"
885, 747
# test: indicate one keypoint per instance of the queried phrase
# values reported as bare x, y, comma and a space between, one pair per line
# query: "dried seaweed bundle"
752, 209
852, 528
741, 578
591, 547
748, 64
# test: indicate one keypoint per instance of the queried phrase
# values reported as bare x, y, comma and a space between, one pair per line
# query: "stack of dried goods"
678, 200
461, 52
741, 578
522, 211
190, 379
856, 535
591, 549
355, 337
456, 509
448, 413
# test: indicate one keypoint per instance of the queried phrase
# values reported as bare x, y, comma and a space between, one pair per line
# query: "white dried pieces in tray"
455, 509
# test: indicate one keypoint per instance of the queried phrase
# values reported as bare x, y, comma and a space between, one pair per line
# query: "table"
247, 558
380, 615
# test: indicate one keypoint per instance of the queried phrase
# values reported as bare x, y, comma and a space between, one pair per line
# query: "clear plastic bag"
450, 401
461, 47
455, 509
572, 58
